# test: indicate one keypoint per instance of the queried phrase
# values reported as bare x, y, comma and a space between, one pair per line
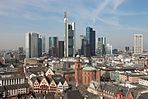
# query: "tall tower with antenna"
69, 37
65, 35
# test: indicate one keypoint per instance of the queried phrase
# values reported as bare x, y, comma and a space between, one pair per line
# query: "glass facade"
33, 45
101, 46
91, 39
53, 46
53, 41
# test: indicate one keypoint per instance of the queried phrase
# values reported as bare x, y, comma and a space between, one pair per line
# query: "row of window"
143, 82
12, 81
110, 93
59, 87
17, 91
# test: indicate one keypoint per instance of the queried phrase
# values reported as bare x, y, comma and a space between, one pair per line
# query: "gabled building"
54, 83
49, 72
60, 82
44, 85
117, 91
41, 84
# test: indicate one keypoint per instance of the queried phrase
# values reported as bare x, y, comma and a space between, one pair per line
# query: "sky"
117, 20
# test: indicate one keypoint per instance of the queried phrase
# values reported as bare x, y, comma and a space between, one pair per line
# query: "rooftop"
89, 68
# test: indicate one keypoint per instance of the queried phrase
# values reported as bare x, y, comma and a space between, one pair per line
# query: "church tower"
78, 71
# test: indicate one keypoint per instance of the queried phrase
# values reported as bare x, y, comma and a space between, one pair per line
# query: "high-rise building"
28, 45
32, 44
82, 44
65, 34
109, 49
101, 46
69, 42
127, 49
138, 43
53, 42
60, 49
91, 41
84, 48
21, 53
53, 46
40, 46
43, 44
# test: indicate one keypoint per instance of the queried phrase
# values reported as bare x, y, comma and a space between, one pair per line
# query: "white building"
138, 43
69, 42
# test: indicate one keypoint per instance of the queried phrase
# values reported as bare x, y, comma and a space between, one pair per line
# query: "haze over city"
117, 20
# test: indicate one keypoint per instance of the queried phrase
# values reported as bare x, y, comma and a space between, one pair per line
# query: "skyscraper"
91, 41
28, 45
69, 35
109, 49
127, 49
60, 49
53, 46
33, 45
53, 42
39, 46
65, 34
138, 43
43, 44
84, 46
101, 46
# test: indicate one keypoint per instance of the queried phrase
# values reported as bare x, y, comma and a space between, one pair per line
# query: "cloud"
132, 13
105, 11
97, 11
106, 7
42, 9
117, 3
110, 21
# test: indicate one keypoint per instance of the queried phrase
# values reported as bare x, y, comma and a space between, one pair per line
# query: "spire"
65, 14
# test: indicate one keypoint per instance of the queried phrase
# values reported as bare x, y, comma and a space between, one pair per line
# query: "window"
85, 78
93, 77
88, 78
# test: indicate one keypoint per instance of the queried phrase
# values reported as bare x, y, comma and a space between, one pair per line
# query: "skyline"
117, 20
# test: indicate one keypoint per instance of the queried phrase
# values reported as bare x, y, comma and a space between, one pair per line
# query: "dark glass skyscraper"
60, 49
40, 46
53, 41
91, 39
53, 45
84, 46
